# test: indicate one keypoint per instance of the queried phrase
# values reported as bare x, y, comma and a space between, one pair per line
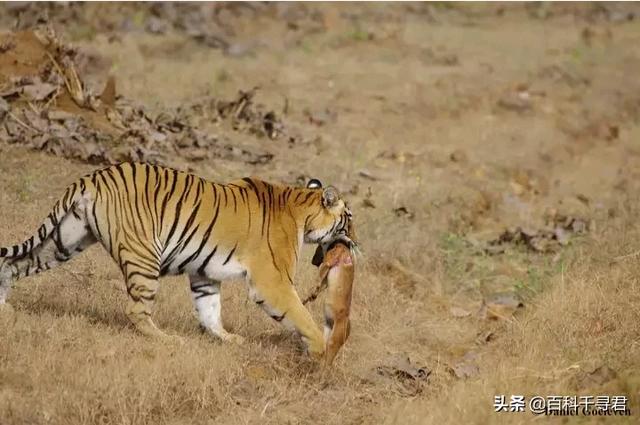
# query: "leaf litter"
45, 105
557, 233
408, 378
501, 305
466, 367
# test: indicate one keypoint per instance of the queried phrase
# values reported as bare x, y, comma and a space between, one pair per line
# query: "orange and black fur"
157, 221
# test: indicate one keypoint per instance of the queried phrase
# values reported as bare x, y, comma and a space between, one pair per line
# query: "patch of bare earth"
490, 155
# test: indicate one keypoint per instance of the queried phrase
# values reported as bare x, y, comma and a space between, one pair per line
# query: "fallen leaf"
546, 240
367, 175
406, 378
108, 95
596, 377
583, 198
602, 375
403, 212
500, 306
368, 203
10, 91
464, 369
39, 91
401, 367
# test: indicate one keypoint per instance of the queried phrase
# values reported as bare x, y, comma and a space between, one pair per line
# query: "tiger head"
331, 220
332, 224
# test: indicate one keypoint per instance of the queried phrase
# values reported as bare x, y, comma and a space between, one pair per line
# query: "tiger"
156, 221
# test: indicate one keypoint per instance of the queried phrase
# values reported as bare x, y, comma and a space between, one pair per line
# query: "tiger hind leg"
205, 294
142, 287
70, 237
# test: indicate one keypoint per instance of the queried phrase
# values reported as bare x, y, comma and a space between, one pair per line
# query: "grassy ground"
446, 125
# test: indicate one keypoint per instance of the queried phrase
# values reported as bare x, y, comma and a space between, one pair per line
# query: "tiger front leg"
280, 301
205, 294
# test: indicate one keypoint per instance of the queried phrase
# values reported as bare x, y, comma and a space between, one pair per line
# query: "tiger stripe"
156, 221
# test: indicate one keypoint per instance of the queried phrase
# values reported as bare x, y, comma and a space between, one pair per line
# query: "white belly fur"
217, 271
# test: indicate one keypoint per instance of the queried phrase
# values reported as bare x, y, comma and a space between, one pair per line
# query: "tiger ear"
314, 184
330, 197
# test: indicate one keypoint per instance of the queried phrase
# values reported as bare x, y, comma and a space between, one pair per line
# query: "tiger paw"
316, 353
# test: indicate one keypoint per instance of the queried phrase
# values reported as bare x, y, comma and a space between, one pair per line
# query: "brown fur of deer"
337, 273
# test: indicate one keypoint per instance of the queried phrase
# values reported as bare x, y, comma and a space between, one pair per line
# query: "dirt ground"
490, 153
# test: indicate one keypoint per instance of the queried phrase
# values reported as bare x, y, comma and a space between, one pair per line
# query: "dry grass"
586, 320
69, 356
